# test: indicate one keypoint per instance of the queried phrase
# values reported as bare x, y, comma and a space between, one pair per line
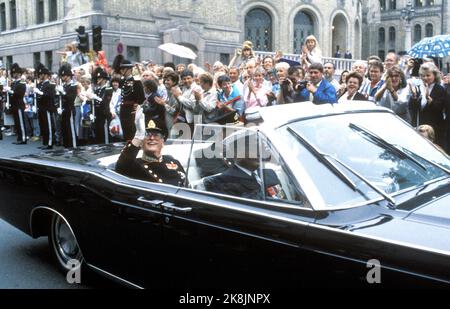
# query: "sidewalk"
8, 149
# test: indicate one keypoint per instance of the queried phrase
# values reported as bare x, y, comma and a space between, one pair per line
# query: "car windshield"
354, 158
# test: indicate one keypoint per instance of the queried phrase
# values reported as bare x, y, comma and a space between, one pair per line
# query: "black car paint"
222, 241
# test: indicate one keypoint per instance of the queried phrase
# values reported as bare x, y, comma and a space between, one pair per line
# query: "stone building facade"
33, 30
387, 29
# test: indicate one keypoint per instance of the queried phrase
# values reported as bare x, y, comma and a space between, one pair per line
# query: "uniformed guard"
132, 97
45, 97
102, 98
68, 92
16, 94
152, 166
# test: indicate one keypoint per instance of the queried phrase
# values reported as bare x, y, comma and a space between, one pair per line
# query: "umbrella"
178, 50
437, 46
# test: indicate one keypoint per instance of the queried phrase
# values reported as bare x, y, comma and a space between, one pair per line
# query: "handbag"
223, 115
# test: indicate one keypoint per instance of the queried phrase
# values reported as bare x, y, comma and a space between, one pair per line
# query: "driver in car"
243, 177
152, 166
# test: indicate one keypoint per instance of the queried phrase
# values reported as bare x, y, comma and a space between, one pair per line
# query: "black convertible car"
347, 195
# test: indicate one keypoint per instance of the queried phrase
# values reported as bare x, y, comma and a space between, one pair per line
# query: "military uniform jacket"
68, 100
46, 101
167, 170
105, 93
16, 99
132, 91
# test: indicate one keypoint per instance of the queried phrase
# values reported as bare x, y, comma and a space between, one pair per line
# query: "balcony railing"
340, 64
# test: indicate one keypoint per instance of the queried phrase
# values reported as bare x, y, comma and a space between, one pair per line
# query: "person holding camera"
291, 80
318, 90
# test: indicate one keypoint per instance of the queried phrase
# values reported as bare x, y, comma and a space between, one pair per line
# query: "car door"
123, 226
222, 240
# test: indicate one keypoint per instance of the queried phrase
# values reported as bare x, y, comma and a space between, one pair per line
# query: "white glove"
139, 122
37, 91
8, 89
33, 109
91, 117
95, 97
60, 89
59, 110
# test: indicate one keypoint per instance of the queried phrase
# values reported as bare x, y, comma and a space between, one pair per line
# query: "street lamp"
408, 14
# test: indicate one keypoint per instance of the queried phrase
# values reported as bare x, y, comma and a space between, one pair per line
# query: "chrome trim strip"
114, 277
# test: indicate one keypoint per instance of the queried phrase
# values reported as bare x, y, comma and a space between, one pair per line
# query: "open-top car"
313, 196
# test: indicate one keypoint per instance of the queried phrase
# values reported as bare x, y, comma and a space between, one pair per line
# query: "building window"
2, 17
429, 30
383, 5
49, 59
303, 26
225, 58
391, 38
258, 29
53, 10
381, 53
418, 3
393, 4
381, 38
133, 53
417, 33
9, 61
40, 12
37, 59
430, 2
13, 14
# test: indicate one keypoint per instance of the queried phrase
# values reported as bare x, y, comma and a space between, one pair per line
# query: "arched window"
258, 29
391, 38
382, 5
418, 3
393, 4
417, 33
303, 26
430, 2
429, 30
381, 38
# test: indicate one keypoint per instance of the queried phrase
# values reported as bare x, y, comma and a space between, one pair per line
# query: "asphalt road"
25, 262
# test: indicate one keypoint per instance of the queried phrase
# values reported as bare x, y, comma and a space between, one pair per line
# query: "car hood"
426, 227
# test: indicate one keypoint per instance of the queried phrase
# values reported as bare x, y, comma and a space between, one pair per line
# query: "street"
26, 262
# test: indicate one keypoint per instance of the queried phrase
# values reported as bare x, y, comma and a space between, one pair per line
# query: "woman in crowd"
311, 52
242, 56
428, 101
353, 82
255, 91
171, 104
395, 94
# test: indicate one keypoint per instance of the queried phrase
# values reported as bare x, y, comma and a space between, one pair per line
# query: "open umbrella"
178, 50
437, 46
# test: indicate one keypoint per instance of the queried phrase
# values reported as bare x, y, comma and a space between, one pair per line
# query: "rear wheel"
64, 245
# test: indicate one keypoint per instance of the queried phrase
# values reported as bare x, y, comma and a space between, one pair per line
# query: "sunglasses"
154, 134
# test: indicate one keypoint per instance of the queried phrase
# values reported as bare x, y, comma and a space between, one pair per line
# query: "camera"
301, 84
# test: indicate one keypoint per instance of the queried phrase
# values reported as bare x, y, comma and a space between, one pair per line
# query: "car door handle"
172, 208
152, 203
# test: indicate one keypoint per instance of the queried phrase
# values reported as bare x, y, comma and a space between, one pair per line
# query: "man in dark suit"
243, 177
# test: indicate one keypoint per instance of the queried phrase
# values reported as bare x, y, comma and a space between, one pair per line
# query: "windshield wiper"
324, 158
446, 170
381, 142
